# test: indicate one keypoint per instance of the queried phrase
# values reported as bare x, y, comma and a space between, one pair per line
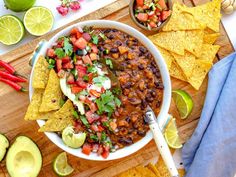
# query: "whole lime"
19, 5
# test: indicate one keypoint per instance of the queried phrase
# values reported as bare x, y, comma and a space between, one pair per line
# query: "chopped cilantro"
103, 36
68, 47
51, 66
107, 103
109, 63
95, 39
85, 78
60, 52
106, 124
94, 137
61, 102
103, 136
75, 73
92, 69
75, 114
74, 58
116, 91
84, 121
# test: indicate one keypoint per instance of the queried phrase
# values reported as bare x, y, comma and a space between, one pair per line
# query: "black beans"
159, 85
101, 48
148, 55
127, 85
114, 50
158, 104
143, 104
142, 49
141, 133
119, 43
134, 101
107, 30
114, 30
149, 98
125, 141
111, 36
127, 119
140, 66
153, 93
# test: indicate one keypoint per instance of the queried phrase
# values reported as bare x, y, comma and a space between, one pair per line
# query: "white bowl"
163, 115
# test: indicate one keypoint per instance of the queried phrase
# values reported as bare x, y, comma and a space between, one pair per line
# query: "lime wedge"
11, 30
60, 165
171, 135
38, 21
183, 102
71, 139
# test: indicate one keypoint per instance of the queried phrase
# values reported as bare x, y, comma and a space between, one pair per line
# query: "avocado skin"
36, 153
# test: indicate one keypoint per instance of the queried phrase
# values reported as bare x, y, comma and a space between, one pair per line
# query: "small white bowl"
163, 115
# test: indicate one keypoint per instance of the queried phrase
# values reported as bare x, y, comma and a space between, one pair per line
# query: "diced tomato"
67, 65
70, 79
151, 14
76, 32
106, 148
100, 149
152, 24
81, 83
157, 11
65, 59
145, 7
79, 61
86, 59
58, 64
104, 118
94, 127
103, 90
61, 73
60, 43
95, 93
140, 3
90, 76
105, 154
86, 36
100, 128
86, 149
95, 147
94, 48
76, 89
93, 56
73, 39
165, 14
91, 117
81, 43
162, 3
143, 17
81, 70
51, 53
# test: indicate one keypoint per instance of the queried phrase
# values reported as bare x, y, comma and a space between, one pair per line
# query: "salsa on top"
151, 13
111, 79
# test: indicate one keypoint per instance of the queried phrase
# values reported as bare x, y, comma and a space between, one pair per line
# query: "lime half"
11, 30
171, 135
19, 5
60, 165
38, 21
72, 139
183, 102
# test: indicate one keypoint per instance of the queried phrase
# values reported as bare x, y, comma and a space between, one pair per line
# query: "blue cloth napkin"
211, 151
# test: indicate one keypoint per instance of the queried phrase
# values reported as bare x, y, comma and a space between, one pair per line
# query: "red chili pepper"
11, 77
9, 68
14, 85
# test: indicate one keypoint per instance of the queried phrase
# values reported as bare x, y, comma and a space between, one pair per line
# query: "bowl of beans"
143, 77
150, 15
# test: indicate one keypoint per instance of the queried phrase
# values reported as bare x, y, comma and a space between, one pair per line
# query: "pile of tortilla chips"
46, 102
151, 170
187, 41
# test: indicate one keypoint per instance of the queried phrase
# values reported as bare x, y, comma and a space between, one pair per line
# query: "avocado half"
24, 158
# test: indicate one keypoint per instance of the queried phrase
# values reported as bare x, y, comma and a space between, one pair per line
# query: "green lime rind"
183, 102
19, 5
38, 20
11, 30
71, 139
61, 166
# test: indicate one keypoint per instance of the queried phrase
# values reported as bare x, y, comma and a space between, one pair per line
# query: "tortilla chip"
172, 41
209, 52
52, 95
181, 20
210, 38
199, 73
176, 72
161, 167
167, 56
33, 108
65, 112
152, 167
56, 125
193, 41
41, 73
186, 63
208, 13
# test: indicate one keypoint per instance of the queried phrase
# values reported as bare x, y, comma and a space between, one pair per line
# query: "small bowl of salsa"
150, 15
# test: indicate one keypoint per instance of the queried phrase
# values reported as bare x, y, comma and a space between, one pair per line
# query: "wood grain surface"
14, 105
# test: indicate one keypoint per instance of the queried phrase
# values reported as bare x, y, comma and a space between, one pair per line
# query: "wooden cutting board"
13, 105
